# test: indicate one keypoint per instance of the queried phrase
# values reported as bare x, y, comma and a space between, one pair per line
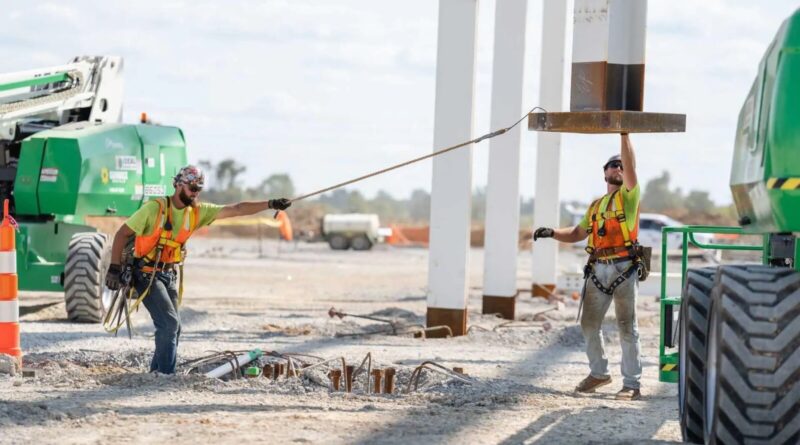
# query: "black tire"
84, 274
338, 242
695, 302
753, 363
361, 242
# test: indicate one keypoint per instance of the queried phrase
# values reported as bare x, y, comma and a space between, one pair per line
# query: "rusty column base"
500, 305
616, 121
542, 290
456, 319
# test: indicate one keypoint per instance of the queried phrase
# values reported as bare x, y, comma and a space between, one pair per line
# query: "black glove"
543, 232
279, 204
112, 277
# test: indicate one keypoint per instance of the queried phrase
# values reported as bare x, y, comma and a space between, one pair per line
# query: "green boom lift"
64, 157
735, 348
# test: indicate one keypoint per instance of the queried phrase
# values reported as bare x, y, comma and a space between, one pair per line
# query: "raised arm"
629, 178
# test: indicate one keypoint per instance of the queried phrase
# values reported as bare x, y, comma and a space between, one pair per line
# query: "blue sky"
326, 91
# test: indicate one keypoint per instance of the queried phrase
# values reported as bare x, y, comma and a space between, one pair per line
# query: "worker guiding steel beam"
615, 266
160, 230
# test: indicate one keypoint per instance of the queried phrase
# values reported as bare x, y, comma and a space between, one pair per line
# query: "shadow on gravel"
562, 426
588, 425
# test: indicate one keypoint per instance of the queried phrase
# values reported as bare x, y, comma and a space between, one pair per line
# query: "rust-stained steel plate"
618, 121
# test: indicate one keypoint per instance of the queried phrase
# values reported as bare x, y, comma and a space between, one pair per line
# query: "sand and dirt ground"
91, 387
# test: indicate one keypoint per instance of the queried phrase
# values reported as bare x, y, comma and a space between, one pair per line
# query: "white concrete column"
502, 189
451, 191
608, 50
546, 198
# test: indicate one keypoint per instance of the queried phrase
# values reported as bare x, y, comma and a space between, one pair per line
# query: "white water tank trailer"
358, 231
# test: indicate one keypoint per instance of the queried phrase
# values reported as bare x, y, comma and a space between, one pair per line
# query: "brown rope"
421, 158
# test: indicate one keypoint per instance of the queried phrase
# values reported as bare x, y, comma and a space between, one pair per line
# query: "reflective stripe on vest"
147, 246
617, 233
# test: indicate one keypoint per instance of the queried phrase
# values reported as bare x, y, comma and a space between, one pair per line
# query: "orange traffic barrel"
9, 305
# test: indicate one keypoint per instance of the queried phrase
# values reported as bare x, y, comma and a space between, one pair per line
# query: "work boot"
629, 394
590, 383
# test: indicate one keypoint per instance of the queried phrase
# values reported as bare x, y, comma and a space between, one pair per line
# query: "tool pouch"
643, 255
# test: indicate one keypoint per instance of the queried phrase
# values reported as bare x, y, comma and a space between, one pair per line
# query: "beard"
613, 180
186, 200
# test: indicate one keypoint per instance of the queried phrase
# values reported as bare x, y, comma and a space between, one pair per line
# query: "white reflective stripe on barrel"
9, 311
8, 262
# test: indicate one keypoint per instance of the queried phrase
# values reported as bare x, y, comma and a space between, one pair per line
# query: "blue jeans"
162, 304
595, 306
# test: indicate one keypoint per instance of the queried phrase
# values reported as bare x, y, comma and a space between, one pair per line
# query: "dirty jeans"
595, 306
162, 304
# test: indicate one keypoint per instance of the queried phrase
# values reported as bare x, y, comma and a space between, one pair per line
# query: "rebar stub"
336, 378
377, 374
388, 383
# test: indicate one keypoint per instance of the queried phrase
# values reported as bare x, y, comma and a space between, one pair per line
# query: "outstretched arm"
629, 178
563, 234
245, 208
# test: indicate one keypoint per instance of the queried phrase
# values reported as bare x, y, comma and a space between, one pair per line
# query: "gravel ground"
91, 387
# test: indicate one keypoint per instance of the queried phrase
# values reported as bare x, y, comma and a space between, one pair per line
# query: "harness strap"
623, 225
619, 280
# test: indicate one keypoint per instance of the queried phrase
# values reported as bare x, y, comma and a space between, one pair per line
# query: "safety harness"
153, 253
615, 253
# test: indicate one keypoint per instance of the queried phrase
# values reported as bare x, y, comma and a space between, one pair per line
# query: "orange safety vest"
618, 241
171, 251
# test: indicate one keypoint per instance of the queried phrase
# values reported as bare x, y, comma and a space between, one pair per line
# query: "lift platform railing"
668, 361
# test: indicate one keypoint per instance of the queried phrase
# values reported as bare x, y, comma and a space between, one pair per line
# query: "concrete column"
546, 204
608, 51
451, 191
502, 189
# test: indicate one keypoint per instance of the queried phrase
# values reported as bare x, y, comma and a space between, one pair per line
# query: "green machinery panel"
765, 178
42, 252
86, 169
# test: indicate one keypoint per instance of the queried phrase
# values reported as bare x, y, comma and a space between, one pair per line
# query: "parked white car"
650, 225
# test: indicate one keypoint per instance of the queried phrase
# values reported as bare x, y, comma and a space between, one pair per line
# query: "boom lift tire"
339, 242
695, 302
753, 363
88, 257
361, 242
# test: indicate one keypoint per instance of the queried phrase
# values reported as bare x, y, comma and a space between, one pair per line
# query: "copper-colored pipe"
388, 383
376, 380
336, 378
348, 377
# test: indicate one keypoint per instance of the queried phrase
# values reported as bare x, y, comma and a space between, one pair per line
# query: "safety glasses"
614, 164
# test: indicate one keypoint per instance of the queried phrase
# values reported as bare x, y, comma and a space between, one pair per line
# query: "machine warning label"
118, 177
130, 163
49, 175
154, 190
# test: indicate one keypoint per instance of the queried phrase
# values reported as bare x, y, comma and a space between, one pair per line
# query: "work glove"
113, 281
543, 232
279, 204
